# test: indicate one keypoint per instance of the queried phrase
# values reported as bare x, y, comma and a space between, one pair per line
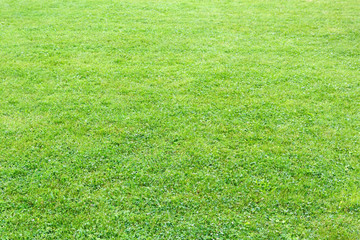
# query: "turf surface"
179, 119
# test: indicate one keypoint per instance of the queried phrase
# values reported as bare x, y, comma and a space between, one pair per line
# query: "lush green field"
164, 119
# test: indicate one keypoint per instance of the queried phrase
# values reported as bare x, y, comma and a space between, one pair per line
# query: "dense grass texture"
164, 119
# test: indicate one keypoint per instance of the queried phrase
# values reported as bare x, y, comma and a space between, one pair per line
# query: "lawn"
154, 119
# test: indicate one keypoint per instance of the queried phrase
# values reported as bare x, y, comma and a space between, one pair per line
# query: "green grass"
154, 119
